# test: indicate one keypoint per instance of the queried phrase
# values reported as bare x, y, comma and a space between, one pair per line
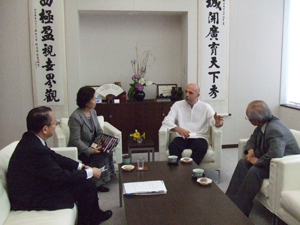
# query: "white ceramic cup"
172, 158
197, 172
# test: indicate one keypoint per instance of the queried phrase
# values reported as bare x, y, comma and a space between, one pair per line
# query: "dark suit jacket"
81, 133
39, 179
278, 141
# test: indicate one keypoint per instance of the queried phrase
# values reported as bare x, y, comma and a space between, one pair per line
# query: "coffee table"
186, 201
146, 146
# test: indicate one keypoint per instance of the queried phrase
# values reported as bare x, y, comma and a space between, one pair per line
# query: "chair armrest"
288, 172
70, 152
59, 138
288, 176
216, 142
241, 147
110, 129
163, 140
113, 131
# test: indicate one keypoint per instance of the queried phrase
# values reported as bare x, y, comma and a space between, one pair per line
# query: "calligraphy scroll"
213, 53
47, 51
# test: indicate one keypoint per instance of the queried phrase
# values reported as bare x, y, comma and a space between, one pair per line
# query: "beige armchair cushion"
290, 201
211, 160
288, 190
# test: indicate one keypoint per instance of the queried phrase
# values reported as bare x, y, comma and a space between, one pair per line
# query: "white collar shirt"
196, 119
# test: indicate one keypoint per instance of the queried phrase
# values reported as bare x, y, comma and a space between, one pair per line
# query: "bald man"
191, 119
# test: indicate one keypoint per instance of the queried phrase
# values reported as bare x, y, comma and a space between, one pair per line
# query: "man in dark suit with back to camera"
270, 139
40, 179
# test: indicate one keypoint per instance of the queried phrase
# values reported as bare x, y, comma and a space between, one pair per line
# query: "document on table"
154, 187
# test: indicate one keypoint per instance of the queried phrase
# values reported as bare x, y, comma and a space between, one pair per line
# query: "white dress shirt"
196, 119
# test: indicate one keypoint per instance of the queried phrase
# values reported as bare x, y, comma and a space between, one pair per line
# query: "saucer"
128, 167
186, 159
204, 181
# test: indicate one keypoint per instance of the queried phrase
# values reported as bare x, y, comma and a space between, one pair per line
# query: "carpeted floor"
259, 214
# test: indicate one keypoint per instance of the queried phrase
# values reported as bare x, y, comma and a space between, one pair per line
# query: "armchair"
212, 159
269, 193
45, 217
288, 190
62, 134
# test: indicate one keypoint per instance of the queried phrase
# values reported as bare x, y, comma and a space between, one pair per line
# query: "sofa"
270, 192
212, 158
9, 217
62, 135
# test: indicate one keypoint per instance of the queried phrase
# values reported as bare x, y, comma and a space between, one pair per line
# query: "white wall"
254, 73
107, 46
255, 61
15, 70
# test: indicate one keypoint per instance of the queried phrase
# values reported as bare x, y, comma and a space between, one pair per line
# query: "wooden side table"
146, 146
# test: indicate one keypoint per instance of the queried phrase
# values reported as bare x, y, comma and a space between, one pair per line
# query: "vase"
173, 93
139, 95
179, 93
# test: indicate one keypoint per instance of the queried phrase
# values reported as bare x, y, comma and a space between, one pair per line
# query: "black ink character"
46, 17
213, 91
48, 36
49, 65
213, 46
214, 62
213, 32
214, 75
47, 50
213, 17
50, 80
46, 2
213, 4
51, 96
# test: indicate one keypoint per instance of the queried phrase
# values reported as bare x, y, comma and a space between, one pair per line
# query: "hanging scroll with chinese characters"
214, 53
47, 51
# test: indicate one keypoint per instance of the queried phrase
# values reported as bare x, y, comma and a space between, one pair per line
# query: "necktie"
261, 143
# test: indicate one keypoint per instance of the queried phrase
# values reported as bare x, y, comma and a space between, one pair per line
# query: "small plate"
127, 167
186, 159
204, 181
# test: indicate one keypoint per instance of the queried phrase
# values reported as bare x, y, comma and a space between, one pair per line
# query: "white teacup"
172, 158
197, 172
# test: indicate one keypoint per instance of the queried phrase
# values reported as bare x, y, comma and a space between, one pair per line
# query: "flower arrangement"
139, 70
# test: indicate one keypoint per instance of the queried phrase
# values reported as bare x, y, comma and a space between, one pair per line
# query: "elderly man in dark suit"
270, 139
40, 179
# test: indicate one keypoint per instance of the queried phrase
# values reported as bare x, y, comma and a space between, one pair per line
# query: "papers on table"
154, 187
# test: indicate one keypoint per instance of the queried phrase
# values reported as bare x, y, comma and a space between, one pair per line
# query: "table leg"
120, 189
153, 155
130, 155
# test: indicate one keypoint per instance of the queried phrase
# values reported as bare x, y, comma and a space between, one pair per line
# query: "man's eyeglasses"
56, 122
246, 118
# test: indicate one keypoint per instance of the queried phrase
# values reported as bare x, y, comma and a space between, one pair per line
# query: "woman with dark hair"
84, 131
